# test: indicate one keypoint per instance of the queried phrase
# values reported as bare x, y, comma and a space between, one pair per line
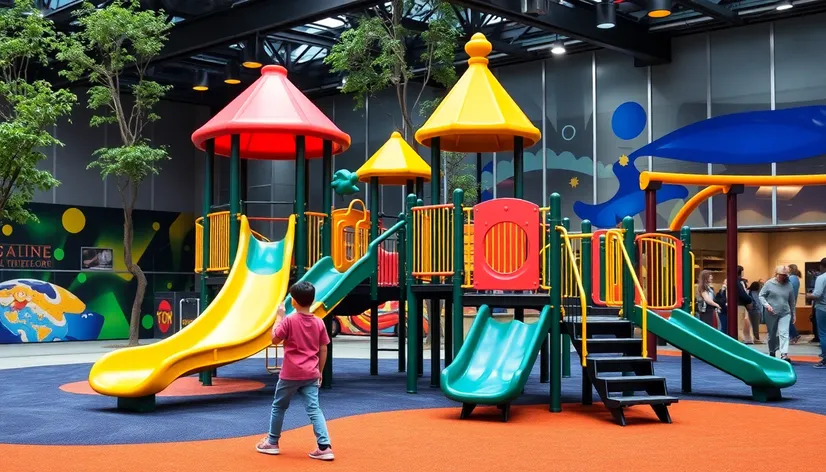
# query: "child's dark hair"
303, 293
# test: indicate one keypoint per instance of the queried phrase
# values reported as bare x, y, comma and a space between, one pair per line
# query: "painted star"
574, 183
623, 160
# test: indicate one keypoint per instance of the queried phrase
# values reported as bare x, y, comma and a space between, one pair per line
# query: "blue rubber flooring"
34, 411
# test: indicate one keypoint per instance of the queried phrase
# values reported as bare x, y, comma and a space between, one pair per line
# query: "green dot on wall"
59, 254
147, 321
81, 277
156, 226
187, 248
169, 285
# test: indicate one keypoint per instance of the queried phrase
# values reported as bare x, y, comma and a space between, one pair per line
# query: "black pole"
401, 251
435, 341
478, 177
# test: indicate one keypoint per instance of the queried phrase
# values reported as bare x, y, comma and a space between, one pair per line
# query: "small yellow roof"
478, 115
394, 163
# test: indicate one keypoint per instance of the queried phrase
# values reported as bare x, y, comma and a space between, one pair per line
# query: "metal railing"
620, 256
218, 242
388, 270
574, 303
199, 245
351, 235
661, 264
433, 244
467, 243
315, 223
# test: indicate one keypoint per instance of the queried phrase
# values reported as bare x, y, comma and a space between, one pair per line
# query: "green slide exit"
766, 375
496, 359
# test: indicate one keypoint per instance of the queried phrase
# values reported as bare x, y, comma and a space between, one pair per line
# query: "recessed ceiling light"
606, 15
659, 8
784, 5
558, 47
201, 81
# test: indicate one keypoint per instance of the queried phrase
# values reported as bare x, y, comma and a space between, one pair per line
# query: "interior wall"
752, 254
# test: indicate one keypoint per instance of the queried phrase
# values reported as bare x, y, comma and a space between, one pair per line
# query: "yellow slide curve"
235, 326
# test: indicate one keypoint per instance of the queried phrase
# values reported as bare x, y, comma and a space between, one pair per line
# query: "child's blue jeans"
284, 391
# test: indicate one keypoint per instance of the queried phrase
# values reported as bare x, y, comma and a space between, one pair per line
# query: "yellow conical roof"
478, 115
394, 163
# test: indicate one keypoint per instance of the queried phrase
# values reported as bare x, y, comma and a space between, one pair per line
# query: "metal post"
412, 304
544, 357
326, 245
628, 294
205, 376
518, 168
401, 250
731, 258
374, 280
420, 312
300, 207
478, 177
556, 301
234, 195
448, 331
651, 227
587, 267
688, 288
459, 271
435, 311
566, 338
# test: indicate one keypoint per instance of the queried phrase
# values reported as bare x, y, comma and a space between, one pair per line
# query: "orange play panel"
704, 436
183, 387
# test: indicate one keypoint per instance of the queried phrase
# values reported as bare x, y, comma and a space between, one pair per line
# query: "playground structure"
591, 289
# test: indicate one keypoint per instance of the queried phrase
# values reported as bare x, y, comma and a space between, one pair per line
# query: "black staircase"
622, 377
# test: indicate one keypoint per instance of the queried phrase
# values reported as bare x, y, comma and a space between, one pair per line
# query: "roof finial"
478, 49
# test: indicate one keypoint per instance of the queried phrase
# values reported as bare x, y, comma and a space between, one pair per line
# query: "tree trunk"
135, 270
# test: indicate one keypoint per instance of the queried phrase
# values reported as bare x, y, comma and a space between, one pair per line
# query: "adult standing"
794, 279
722, 302
819, 297
743, 305
778, 298
755, 311
706, 306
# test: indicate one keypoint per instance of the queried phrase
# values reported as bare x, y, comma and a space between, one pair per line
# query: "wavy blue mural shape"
755, 137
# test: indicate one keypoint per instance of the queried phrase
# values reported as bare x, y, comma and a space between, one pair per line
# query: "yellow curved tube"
694, 202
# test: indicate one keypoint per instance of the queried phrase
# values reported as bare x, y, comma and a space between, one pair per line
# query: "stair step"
636, 364
630, 346
604, 310
614, 402
601, 326
653, 384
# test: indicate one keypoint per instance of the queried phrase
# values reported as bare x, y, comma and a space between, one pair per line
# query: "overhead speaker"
534, 7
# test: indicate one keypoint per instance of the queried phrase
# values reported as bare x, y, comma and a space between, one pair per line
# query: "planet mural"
37, 311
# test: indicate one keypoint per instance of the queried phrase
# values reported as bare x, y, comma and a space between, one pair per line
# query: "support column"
300, 207
234, 195
731, 257
401, 250
518, 168
459, 268
435, 311
544, 357
326, 245
412, 305
478, 177
205, 376
688, 289
651, 227
566, 338
374, 280
628, 292
556, 301
587, 264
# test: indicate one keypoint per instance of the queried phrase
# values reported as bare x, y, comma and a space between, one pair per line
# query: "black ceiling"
208, 34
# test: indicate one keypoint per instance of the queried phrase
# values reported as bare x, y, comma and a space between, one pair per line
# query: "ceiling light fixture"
534, 7
784, 5
558, 48
606, 15
232, 76
201, 81
253, 53
659, 8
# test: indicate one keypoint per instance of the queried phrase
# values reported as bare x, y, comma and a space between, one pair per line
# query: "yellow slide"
236, 324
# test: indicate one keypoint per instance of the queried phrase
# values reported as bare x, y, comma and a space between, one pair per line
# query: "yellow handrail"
575, 273
615, 234
468, 247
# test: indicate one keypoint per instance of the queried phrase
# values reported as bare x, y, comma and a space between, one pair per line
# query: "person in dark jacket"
743, 302
722, 300
755, 311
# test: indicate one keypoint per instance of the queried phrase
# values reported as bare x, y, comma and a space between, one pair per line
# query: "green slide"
495, 361
331, 286
766, 375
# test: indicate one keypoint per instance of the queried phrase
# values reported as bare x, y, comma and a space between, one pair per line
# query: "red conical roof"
268, 115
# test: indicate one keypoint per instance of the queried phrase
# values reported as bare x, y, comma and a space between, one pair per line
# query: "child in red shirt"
305, 353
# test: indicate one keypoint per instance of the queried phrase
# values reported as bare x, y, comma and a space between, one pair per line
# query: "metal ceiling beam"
713, 10
300, 37
249, 18
579, 23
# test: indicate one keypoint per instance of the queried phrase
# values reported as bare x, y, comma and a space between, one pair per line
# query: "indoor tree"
28, 108
114, 46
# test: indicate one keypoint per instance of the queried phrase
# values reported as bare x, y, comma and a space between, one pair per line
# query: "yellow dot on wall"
7, 229
156, 226
74, 220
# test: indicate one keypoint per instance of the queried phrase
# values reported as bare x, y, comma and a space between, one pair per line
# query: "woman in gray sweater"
779, 299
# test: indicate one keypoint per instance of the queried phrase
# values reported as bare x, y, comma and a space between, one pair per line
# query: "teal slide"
331, 286
766, 375
495, 361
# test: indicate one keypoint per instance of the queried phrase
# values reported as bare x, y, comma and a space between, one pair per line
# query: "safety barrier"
433, 244
509, 231
351, 234
574, 304
694, 290
218, 242
468, 247
661, 263
388, 270
618, 261
315, 222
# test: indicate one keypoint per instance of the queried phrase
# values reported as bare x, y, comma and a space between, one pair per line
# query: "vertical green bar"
401, 250
412, 306
300, 207
628, 289
374, 233
566, 338
234, 195
327, 198
209, 156
518, 168
459, 270
556, 301
688, 268
587, 268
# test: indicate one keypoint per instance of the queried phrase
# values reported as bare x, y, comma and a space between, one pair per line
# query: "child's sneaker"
325, 455
264, 447
820, 365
